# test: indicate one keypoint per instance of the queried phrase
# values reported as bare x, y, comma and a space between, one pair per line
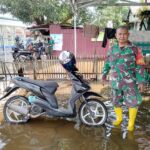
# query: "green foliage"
104, 14
41, 11
59, 11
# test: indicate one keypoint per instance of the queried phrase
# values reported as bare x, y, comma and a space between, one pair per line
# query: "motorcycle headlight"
11, 84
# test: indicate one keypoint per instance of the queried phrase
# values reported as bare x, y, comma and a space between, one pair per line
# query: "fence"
91, 69
51, 69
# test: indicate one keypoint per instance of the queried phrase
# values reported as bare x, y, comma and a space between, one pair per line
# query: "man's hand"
104, 80
141, 87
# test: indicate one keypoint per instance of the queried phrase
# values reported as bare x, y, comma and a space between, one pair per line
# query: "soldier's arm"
106, 67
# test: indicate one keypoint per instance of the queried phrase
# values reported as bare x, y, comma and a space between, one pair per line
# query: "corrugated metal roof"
7, 22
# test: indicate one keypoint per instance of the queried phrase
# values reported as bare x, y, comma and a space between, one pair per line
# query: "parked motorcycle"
19, 109
21, 55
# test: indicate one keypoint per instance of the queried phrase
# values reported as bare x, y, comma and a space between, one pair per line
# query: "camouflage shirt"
126, 64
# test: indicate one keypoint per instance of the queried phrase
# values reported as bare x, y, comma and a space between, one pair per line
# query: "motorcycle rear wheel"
22, 58
93, 113
12, 116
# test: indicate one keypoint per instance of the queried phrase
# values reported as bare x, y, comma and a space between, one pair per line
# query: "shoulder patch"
138, 55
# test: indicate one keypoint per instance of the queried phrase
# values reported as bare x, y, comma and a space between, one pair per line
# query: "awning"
44, 28
77, 4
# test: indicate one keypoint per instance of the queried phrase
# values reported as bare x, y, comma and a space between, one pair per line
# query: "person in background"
51, 45
126, 63
19, 43
46, 46
29, 43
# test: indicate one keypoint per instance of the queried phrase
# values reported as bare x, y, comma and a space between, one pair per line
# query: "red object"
139, 58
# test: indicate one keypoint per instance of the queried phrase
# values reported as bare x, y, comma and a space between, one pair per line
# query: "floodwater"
52, 134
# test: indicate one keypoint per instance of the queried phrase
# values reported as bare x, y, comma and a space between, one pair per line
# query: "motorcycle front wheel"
13, 109
93, 113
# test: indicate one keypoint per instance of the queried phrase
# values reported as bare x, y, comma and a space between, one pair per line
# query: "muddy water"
50, 134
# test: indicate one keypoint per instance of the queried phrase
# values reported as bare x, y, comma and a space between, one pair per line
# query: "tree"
41, 11
59, 11
102, 15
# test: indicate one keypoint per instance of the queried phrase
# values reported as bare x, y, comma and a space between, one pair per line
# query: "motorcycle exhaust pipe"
18, 109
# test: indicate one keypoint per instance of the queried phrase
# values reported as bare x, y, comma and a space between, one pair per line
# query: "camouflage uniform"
127, 70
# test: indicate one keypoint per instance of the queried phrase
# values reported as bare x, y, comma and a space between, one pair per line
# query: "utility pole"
74, 9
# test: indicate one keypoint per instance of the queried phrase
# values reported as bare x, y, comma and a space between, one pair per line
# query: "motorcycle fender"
90, 93
9, 90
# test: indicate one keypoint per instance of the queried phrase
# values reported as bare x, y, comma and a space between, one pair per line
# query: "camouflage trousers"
127, 93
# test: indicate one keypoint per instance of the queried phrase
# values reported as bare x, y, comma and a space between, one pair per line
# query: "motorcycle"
42, 101
21, 55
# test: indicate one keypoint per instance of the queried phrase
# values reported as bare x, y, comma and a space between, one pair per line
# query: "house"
64, 38
9, 28
139, 22
139, 18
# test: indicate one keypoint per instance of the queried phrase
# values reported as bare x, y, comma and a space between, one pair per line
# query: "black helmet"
68, 61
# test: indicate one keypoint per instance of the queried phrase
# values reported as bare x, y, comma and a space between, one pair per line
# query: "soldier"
126, 63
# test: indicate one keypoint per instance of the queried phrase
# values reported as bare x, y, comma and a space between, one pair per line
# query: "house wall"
9, 28
85, 47
8, 34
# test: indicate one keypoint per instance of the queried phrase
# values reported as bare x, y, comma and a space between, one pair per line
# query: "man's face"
122, 35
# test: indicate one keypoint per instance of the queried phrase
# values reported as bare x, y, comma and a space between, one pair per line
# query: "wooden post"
96, 68
34, 70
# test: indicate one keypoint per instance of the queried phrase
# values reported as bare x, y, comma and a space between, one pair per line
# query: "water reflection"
46, 134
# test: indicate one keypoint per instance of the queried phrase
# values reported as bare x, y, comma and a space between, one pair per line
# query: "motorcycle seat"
24, 52
51, 86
